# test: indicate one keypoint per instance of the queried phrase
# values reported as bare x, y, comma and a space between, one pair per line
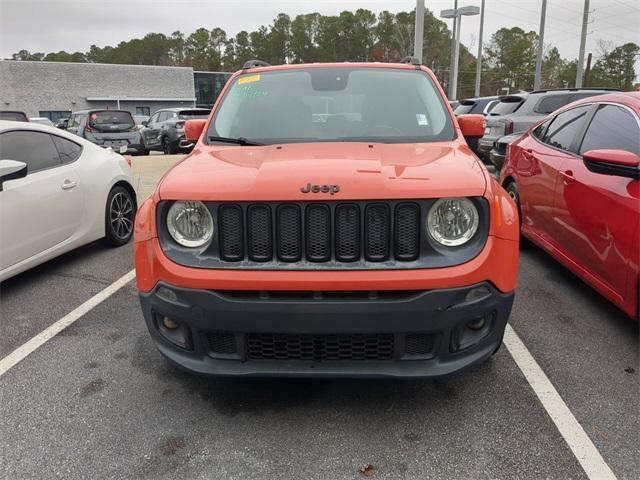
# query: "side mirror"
620, 163
471, 125
193, 129
145, 123
10, 170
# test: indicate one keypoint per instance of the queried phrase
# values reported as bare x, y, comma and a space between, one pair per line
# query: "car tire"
512, 190
168, 147
120, 214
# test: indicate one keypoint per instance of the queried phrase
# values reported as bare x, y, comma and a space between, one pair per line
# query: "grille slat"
347, 232
259, 233
289, 233
377, 228
320, 232
318, 348
407, 231
231, 233
318, 226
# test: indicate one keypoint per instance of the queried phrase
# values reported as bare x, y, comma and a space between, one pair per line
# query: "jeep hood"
363, 171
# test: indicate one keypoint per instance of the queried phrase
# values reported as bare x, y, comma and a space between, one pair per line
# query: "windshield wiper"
238, 141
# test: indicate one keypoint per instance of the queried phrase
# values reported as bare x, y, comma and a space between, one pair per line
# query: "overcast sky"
73, 25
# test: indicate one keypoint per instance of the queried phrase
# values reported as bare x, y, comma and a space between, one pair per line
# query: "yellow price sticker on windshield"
249, 79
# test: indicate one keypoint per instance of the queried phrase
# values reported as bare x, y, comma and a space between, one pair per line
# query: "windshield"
333, 104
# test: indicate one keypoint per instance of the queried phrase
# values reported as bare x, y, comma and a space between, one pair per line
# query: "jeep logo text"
312, 188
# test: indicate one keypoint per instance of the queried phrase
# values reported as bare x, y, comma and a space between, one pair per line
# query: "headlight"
452, 221
190, 223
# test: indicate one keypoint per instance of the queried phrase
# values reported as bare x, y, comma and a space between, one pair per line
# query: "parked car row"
119, 129
575, 177
57, 192
573, 168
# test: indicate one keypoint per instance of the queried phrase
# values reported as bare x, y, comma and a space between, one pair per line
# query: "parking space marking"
579, 442
47, 334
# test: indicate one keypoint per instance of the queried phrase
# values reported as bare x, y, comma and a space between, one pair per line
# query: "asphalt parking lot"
97, 401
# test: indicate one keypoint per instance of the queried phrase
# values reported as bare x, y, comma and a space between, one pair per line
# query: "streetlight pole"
543, 14
419, 30
479, 62
457, 14
453, 47
583, 41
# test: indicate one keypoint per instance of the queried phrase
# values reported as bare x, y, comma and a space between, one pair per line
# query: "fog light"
477, 324
169, 323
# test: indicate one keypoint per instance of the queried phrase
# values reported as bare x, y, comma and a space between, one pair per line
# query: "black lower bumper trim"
398, 334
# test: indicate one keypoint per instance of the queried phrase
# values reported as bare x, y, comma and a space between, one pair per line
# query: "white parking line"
47, 334
579, 442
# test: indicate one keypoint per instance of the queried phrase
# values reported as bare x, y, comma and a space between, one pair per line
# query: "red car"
575, 177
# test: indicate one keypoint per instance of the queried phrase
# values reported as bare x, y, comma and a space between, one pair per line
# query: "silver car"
518, 112
108, 128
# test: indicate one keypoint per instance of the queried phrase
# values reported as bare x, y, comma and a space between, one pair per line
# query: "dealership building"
55, 89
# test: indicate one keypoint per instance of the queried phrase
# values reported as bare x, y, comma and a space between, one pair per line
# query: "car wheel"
168, 147
119, 217
512, 190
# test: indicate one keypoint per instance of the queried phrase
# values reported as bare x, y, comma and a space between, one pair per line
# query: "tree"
512, 53
198, 49
616, 68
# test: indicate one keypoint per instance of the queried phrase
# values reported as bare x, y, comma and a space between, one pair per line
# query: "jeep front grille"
319, 232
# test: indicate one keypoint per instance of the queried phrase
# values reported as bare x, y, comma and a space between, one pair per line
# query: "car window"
551, 103
73, 121
538, 132
111, 120
163, 116
564, 127
334, 104
464, 108
490, 106
190, 114
36, 149
612, 127
13, 116
154, 118
68, 151
505, 108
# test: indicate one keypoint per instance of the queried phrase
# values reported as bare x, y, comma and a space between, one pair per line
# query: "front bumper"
371, 334
497, 158
485, 144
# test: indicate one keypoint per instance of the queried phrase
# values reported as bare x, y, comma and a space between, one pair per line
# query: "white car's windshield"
333, 104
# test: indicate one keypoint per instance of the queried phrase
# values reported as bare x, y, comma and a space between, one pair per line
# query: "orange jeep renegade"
330, 221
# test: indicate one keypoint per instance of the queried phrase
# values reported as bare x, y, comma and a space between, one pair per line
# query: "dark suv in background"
164, 131
518, 112
107, 128
14, 116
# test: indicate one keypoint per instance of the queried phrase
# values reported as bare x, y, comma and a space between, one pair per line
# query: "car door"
538, 167
42, 209
150, 132
597, 215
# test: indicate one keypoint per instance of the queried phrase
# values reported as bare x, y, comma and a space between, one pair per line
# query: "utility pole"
453, 49
587, 71
583, 41
419, 30
479, 62
543, 14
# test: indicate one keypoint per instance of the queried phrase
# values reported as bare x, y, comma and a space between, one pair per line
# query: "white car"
58, 192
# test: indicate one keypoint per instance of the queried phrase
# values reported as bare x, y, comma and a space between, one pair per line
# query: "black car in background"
164, 130
479, 105
14, 116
